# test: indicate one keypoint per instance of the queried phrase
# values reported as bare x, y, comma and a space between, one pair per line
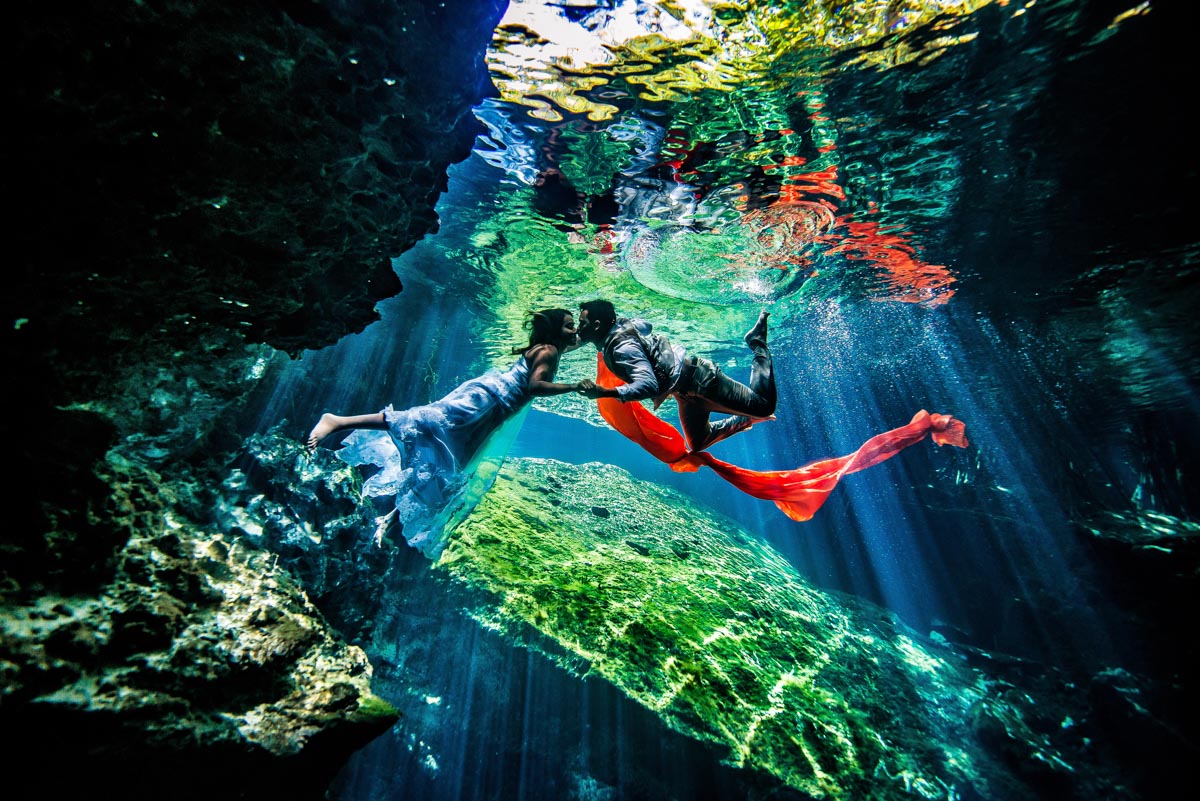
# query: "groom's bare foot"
324, 427
758, 334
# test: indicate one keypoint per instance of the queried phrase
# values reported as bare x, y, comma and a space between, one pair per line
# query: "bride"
444, 455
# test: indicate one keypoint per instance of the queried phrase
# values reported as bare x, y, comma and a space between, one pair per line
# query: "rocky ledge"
199, 188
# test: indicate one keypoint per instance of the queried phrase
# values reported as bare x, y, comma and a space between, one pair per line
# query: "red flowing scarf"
800, 492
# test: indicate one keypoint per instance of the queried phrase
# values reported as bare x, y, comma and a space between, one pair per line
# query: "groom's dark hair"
600, 310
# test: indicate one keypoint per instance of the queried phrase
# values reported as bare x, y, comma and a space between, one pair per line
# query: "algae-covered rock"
713, 630
199, 661
197, 182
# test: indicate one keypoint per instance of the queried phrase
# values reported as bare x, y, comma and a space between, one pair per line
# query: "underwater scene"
902, 505
937, 205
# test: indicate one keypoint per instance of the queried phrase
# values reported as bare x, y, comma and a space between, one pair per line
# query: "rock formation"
197, 188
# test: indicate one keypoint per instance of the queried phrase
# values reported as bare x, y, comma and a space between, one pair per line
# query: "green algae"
372, 707
713, 630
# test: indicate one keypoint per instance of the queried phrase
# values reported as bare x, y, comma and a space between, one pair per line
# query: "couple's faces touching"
569, 336
587, 328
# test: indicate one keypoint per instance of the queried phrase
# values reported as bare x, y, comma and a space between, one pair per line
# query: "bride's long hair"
545, 328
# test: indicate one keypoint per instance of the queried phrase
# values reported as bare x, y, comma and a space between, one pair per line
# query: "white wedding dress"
439, 459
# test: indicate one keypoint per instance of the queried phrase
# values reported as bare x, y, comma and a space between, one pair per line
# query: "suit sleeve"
631, 361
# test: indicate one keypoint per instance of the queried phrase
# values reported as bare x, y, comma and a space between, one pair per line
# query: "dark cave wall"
196, 177
245, 165
200, 187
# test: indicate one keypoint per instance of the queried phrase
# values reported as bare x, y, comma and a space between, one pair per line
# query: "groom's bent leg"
757, 400
693, 418
762, 378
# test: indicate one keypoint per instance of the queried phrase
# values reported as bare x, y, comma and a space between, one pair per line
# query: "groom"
652, 367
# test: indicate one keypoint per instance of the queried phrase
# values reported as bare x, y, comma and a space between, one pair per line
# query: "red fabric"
800, 492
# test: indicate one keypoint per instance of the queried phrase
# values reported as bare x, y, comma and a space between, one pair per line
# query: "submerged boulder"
198, 668
711, 629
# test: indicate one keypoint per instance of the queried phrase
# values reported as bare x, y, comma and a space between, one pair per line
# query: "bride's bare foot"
324, 427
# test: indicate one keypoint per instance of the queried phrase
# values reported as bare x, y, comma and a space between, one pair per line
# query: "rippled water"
980, 208
1001, 161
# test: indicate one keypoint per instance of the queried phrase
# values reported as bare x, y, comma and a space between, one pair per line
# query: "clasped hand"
588, 389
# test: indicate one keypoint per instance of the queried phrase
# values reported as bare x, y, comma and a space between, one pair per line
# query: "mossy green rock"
712, 629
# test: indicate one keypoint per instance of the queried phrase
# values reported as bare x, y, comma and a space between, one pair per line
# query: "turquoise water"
983, 214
